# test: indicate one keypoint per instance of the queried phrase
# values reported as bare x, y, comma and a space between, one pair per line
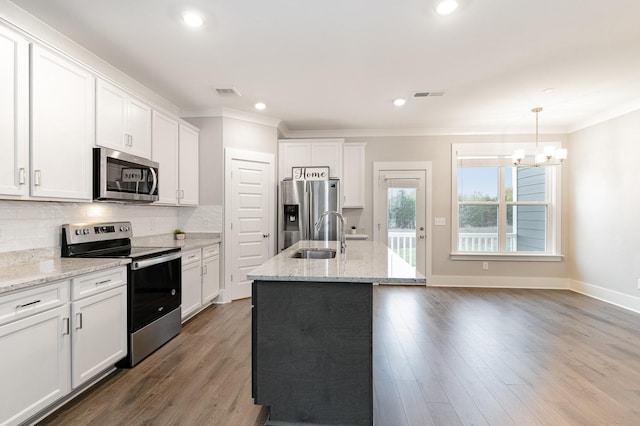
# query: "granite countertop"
23, 269
362, 262
192, 241
42, 271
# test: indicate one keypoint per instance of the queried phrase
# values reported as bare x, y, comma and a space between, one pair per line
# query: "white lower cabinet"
200, 279
191, 283
51, 343
99, 333
210, 273
35, 348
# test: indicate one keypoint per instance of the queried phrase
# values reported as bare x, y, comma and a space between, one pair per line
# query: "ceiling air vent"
226, 91
428, 94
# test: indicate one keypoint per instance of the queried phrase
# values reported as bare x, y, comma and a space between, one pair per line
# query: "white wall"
604, 203
437, 149
29, 225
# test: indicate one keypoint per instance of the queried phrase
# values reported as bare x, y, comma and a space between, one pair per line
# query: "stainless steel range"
154, 282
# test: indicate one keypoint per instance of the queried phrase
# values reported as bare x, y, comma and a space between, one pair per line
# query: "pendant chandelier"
550, 156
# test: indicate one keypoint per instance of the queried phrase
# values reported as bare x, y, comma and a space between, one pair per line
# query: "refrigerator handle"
309, 190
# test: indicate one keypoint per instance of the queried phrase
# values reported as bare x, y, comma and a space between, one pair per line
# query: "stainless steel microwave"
122, 177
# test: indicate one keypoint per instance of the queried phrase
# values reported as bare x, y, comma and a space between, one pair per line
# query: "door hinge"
231, 277
231, 225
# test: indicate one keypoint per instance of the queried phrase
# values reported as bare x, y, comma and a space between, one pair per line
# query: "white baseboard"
499, 282
622, 300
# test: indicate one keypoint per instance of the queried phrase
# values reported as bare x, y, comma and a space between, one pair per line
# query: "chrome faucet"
318, 224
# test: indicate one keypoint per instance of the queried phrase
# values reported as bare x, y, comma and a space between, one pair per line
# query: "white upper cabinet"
175, 148
188, 180
14, 114
310, 152
62, 127
353, 182
123, 122
165, 152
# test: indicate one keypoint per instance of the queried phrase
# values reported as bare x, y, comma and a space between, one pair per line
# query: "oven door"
123, 177
155, 286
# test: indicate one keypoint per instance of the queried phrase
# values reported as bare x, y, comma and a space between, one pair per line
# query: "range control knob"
85, 231
78, 231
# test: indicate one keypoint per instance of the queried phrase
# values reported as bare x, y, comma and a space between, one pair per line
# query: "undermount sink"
314, 253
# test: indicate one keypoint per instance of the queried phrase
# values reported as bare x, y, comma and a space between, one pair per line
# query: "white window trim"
500, 153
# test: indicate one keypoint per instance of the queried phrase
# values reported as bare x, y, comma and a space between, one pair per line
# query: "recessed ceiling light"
260, 105
548, 91
399, 102
445, 7
192, 19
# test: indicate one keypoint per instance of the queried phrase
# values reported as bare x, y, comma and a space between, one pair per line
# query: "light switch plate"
440, 221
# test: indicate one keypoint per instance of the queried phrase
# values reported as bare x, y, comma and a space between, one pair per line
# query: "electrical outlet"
485, 266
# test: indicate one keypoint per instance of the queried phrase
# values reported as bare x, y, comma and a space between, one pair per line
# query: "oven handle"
141, 264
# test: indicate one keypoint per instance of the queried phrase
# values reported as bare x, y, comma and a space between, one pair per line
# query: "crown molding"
232, 113
610, 115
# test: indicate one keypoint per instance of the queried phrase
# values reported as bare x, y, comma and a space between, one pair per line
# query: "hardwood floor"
441, 357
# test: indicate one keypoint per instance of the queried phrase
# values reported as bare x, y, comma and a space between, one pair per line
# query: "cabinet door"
165, 152
111, 116
139, 128
328, 154
191, 288
35, 364
14, 114
210, 278
62, 114
353, 179
188, 181
293, 154
99, 333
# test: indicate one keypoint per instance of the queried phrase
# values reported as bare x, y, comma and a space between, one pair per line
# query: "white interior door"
249, 219
401, 214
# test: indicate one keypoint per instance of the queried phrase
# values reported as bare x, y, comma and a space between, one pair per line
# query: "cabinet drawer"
190, 256
98, 282
29, 302
211, 251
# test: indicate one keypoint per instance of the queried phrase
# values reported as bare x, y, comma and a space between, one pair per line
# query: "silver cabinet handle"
22, 176
36, 177
103, 282
79, 320
205, 270
65, 326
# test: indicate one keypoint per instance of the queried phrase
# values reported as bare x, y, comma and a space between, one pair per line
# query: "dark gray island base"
311, 351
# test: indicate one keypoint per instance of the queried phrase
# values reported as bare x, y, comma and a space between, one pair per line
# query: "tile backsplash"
28, 225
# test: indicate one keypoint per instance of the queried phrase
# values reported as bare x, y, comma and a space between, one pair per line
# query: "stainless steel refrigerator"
300, 205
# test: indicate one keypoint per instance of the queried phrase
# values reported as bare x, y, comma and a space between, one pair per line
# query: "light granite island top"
312, 332
362, 262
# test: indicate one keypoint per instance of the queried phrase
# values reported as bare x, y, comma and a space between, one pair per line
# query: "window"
499, 209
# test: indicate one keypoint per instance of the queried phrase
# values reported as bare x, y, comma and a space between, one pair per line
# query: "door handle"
79, 320
21, 176
265, 235
65, 326
422, 236
422, 228
36, 177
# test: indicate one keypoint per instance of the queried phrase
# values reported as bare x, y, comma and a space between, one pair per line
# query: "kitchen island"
312, 330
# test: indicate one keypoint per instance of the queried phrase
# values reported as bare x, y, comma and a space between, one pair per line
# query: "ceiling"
335, 66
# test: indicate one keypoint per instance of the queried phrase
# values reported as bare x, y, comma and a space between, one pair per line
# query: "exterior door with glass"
400, 218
